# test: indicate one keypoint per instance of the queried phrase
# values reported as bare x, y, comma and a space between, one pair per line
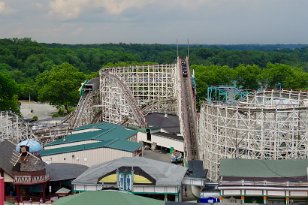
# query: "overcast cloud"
156, 21
3, 8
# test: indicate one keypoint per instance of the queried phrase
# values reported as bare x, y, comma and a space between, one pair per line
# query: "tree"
212, 75
246, 76
8, 93
59, 86
275, 74
297, 80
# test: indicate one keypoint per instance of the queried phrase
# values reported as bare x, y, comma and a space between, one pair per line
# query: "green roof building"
264, 181
92, 144
107, 198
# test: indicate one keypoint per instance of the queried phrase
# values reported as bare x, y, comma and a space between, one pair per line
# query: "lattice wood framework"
86, 111
13, 128
123, 95
268, 125
128, 93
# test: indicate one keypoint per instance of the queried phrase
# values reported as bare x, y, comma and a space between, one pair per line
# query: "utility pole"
29, 104
177, 48
188, 48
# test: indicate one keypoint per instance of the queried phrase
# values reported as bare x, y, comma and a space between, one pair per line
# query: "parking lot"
41, 110
157, 155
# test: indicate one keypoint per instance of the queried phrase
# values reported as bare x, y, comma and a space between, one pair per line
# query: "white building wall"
155, 189
141, 137
253, 192
71, 144
79, 187
7, 178
91, 188
168, 142
136, 188
276, 193
232, 192
87, 157
193, 181
279, 191
162, 141
299, 193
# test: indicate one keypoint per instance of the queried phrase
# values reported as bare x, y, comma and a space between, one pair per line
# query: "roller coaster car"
184, 71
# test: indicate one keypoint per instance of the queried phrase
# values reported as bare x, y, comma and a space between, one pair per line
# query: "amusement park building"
163, 132
137, 175
93, 144
264, 181
6, 151
26, 176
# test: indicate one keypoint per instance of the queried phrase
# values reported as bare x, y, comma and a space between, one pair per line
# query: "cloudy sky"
156, 21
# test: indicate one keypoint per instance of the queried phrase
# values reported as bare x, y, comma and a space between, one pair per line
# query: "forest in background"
32, 68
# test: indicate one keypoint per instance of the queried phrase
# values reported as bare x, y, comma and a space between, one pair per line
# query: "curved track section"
119, 103
158, 106
84, 113
128, 93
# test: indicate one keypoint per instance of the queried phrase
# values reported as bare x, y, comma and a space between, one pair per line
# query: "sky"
156, 21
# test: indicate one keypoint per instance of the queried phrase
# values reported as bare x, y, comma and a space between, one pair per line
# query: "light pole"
177, 48
1, 190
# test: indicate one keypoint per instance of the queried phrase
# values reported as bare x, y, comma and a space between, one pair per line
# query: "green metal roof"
109, 136
263, 168
75, 138
106, 198
125, 145
119, 132
107, 131
118, 144
76, 148
102, 125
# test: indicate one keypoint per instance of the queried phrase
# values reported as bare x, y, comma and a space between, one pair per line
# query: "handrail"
262, 183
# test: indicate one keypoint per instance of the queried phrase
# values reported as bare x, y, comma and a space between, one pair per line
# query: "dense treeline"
250, 77
27, 62
8, 93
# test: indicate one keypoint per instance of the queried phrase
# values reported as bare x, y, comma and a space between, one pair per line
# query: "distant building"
264, 181
30, 177
167, 123
138, 175
29, 171
6, 165
196, 178
163, 132
62, 174
93, 144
